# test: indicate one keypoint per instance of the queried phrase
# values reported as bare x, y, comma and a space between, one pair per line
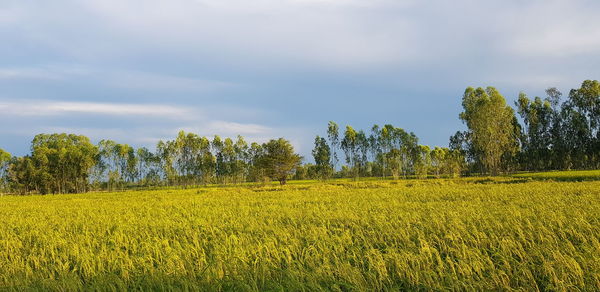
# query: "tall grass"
351, 236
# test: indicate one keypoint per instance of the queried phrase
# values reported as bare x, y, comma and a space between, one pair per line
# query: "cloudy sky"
137, 71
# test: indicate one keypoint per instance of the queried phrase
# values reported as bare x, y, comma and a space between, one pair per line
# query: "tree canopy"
278, 159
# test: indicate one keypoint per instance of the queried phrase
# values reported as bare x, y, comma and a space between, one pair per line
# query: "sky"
137, 71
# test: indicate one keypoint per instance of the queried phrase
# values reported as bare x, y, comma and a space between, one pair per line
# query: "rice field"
576, 175
463, 234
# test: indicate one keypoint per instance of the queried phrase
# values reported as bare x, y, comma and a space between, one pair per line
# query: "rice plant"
461, 234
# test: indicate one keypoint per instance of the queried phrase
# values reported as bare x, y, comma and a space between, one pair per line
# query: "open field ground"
463, 234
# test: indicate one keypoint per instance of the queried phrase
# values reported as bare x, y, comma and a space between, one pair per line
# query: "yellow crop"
464, 234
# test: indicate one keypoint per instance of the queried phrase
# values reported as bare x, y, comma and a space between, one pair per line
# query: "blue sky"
139, 71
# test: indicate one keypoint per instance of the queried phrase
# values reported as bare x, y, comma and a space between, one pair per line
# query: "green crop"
465, 234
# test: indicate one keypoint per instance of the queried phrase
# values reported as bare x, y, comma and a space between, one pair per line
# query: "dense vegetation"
445, 234
549, 135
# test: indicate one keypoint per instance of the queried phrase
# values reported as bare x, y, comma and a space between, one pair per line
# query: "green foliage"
561, 136
538, 116
322, 155
278, 160
450, 235
59, 163
492, 127
333, 134
5, 158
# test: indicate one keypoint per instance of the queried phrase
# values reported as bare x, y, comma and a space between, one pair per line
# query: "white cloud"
232, 128
45, 108
145, 80
28, 73
47, 72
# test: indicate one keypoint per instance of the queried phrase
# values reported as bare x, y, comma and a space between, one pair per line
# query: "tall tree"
350, 147
333, 133
537, 116
166, 152
5, 158
322, 155
586, 101
492, 127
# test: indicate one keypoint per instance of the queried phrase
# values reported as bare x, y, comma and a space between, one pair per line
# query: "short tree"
278, 160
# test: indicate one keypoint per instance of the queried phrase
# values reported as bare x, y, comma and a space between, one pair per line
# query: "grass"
463, 234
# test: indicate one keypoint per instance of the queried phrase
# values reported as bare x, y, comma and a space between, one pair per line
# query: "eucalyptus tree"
322, 156
207, 162
422, 162
127, 162
115, 163
166, 152
586, 101
375, 147
438, 158
333, 134
241, 159
362, 151
410, 152
23, 176
229, 160
349, 145
188, 157
62, 162
5, 158
149, 167
220, 165
255, 171
557, 152
538, 117
492, 126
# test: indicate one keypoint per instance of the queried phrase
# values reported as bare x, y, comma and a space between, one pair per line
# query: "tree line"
67, 163
546, 133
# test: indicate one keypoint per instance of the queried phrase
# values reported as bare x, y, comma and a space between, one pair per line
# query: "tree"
240, 162
255, 171
422, 163
350, 146
536, 140
492, 127
362, 150
586, 101
333, 133
322, 155
62, 162
166, 152
375, 147
149, 167
278, 160
22, 175
5, 158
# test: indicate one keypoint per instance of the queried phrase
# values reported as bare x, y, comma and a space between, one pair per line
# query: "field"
463, 234
581, 175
